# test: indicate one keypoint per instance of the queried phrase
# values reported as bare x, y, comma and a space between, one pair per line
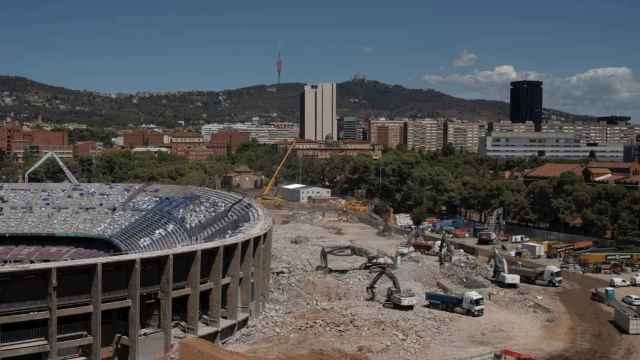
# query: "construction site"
438, 297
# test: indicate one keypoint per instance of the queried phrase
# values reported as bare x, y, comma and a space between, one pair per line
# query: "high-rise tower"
526, 102
318, 120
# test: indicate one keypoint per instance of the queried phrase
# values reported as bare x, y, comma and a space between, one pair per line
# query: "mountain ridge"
364, 98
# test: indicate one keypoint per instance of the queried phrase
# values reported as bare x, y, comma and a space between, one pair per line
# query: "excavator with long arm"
501, 273
396, 297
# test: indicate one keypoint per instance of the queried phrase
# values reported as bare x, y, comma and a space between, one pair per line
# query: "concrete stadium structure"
76, 284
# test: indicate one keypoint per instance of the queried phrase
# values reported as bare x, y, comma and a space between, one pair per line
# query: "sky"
586, 51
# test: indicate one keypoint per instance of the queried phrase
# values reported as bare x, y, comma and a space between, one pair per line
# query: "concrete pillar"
246, 264
258, 276
52, 334
134, 311
166, 288
193, 303
215, 297
96, 315
234, 274
267, 265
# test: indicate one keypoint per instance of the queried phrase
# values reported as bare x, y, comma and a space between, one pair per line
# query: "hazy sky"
586, 51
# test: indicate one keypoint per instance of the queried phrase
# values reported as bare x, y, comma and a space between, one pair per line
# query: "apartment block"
547, 145
425, 134
465, 135
388, 133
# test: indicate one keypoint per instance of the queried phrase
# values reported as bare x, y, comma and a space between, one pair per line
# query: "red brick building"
143, 138
84, 148
196, 152
229, 139
16, 141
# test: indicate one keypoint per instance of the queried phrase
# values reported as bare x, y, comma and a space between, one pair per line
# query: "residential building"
142, 138
197, 152
348, 128
264, 134
186, 138
229, 139
425, 134
552, 170
526, 102
388, 133
242, 177
512, 127
632, 150
547, 145
85, 148
19, 141
325, 150
318, 119
464, 135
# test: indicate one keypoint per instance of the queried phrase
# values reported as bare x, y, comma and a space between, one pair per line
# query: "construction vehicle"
373, 260
445, 251
545, 275
396, 297
425, 247
470, 303
507, 354
355, 206
267, 199
501, 273
603, 295
486, 238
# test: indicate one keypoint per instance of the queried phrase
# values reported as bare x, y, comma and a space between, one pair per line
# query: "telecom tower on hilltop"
279, 67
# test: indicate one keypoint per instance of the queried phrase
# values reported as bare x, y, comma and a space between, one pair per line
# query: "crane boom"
274, 178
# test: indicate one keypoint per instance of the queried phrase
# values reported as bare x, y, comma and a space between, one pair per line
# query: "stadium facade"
120, 271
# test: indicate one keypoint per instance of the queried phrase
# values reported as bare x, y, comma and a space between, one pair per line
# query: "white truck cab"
635, 280
473, 303
552, 275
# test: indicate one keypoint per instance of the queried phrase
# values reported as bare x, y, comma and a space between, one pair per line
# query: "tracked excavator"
501, 273
396, 297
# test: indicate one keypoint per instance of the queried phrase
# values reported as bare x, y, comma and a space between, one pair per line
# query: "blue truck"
470, 303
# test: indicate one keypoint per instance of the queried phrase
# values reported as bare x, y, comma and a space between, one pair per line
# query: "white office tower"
318, 119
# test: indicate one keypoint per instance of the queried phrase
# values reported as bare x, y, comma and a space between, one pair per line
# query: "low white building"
547, 145
302, 193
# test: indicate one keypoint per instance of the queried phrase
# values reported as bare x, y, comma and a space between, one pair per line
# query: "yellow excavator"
267, 199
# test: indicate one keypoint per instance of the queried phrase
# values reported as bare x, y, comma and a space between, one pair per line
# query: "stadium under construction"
121, 270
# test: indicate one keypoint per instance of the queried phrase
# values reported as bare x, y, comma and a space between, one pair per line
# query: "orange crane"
266, 198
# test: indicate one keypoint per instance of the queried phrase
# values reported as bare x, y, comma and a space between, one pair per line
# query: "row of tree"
422, 184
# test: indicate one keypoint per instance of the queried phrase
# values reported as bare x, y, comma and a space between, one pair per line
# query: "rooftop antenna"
279, 67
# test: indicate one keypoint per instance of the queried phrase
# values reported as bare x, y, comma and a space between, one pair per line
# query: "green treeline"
418, 183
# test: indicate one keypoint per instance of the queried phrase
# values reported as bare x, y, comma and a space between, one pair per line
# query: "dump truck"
470, 303
486, 238
545, 275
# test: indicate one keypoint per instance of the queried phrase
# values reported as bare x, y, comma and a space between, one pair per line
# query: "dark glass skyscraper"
526, 102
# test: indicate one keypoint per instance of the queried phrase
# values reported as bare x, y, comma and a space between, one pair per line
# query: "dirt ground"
312, 312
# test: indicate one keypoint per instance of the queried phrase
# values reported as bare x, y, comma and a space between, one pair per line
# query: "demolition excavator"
381, 265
